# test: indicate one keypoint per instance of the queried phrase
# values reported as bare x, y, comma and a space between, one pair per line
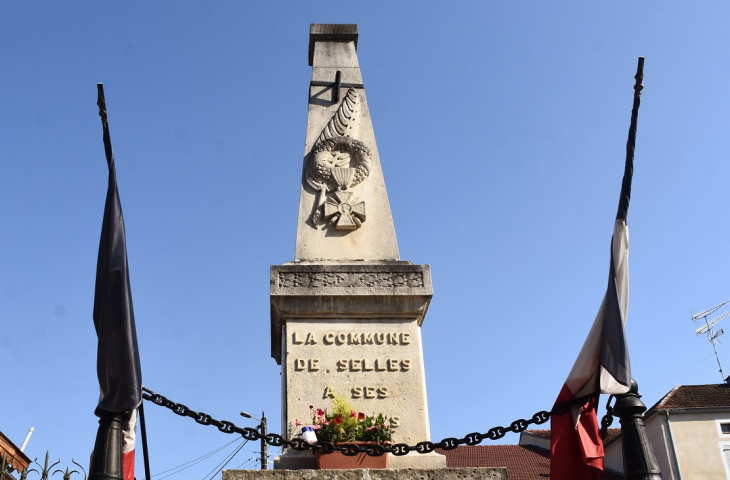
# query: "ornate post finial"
639, 77
640, 463
101, 103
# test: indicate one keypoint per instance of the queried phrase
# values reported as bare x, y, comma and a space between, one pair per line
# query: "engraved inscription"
311, 365
384, 364
368, 338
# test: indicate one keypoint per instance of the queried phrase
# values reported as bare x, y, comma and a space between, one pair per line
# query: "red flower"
338, 420
361, 416
320, 412
353, 414
297, 423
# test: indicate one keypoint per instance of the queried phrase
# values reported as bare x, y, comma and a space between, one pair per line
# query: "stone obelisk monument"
346, 314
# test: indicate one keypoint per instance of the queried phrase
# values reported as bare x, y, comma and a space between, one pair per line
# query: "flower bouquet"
344, 424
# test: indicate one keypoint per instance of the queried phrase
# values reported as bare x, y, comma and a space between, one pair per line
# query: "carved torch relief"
339, 162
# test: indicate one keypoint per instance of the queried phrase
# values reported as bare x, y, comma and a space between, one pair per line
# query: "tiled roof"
613, 434
523, 462
695, 396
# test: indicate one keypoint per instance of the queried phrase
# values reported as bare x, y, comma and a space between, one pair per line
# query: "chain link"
398, 449
607, 419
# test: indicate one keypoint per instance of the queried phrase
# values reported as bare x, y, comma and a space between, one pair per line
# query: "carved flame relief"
339, 162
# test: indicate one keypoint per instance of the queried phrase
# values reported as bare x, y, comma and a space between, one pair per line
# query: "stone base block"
414, 460
484, 473
292, 460
417, 460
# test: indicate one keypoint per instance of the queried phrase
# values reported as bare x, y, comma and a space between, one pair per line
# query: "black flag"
117, 360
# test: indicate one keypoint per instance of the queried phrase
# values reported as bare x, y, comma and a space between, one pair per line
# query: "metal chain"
349, 449
607, 419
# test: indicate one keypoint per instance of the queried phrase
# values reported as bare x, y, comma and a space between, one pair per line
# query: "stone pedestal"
352, 329
482, 473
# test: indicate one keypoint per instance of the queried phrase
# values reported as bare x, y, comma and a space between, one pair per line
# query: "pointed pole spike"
101, 102
639, 77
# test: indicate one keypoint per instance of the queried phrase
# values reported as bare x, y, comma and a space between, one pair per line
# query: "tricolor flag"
117, 360
603, 363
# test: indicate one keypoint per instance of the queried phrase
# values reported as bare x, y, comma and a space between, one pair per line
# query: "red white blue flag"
603, 364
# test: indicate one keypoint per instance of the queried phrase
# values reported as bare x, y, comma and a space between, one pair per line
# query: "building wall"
659, 435
540, 441
698, 444
613, 459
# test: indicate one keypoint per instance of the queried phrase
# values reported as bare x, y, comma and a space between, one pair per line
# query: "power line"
229, 458
194, 461
677, 375
250, 461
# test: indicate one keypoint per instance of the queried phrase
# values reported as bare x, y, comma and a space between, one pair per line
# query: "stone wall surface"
485, 473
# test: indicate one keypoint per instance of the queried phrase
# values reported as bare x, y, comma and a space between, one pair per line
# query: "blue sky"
501, 128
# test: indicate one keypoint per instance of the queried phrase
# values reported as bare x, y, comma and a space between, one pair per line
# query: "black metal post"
106, 461
640, 463
336, 87
143, 431
264, 446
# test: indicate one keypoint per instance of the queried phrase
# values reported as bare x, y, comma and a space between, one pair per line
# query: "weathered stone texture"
484, 473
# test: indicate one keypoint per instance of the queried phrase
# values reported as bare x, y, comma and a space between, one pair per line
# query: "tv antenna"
707, 330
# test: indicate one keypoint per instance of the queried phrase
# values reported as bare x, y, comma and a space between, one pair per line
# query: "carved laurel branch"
345, 121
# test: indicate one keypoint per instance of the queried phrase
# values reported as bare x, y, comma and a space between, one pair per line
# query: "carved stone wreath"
331, 160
